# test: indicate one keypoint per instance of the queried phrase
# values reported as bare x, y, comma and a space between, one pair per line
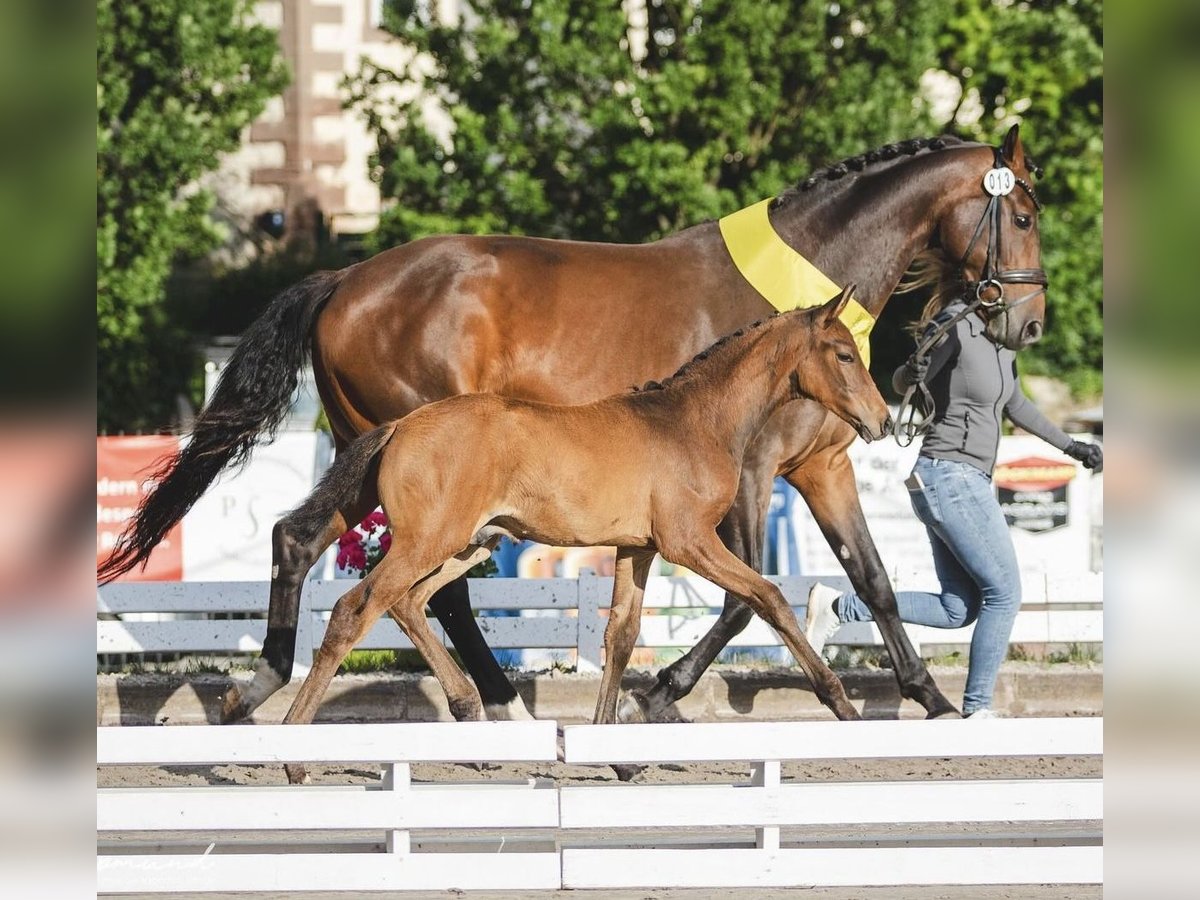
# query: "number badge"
999, 182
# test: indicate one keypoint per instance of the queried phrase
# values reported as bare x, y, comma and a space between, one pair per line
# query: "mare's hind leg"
297, 541
624, 622
462, 695
452, 606
829, 489
742, 532
708, 557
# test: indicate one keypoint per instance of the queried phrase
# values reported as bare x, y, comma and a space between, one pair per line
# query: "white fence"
605, 835
559, 613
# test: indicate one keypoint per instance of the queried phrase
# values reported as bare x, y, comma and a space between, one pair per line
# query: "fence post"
305, 633
397, 780
766, 774
590, 640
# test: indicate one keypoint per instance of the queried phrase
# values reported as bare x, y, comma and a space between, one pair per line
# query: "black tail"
339, 486
251, 398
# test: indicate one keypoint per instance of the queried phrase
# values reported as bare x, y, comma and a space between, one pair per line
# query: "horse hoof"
628, 773
296, 775
233, 706
632, 711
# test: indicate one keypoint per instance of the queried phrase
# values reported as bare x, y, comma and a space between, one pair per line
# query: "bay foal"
649, 471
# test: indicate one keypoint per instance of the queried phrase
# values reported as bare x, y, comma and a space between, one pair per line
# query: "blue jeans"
976, 565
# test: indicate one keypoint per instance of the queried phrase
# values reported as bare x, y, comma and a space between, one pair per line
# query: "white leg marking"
266, 682
844, 553
512, 711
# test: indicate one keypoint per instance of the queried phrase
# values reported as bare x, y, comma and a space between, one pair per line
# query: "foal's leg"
624, 622
353, 615
742, 532
828, 487
706, 556
296, 543
409, 612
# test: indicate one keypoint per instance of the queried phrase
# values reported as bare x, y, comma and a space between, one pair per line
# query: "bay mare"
650, 472
569, 322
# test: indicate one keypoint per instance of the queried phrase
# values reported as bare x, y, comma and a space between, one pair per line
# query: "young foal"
649, 471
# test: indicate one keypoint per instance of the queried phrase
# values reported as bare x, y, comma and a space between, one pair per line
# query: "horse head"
992, 231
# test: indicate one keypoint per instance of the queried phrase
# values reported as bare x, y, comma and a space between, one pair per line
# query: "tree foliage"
561, 118
177, 82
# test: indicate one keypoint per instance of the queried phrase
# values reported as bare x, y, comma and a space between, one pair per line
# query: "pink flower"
385, 543
375, 520
351, 554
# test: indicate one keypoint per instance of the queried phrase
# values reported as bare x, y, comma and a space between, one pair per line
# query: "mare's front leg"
707, 556
624, 622
742, 532
826, 481
297, 541
452, 606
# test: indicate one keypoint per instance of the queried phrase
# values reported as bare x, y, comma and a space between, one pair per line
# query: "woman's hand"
1091, 455
914, 370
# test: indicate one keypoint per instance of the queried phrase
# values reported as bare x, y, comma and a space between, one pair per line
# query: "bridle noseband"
998, 183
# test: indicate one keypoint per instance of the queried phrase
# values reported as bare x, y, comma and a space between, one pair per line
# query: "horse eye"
845, 357
1023, 221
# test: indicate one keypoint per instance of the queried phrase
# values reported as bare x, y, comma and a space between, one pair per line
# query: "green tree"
566, 121
1041, 61
177, 82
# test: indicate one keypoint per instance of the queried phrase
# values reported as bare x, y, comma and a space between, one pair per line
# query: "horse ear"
834, 307
1012, 150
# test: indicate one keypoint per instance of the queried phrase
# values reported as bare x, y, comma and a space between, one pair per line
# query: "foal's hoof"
233, 707
296, 774
632, 711
628, 773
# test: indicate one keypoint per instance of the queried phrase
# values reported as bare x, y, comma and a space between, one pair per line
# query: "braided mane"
886, 153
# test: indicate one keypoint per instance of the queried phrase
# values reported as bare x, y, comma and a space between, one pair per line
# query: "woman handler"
973, 381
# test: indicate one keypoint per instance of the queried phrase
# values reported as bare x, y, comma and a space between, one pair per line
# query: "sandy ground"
562, 774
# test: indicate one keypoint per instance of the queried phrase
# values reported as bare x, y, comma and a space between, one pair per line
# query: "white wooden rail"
568, 613
769, 805
605, 835
390, 809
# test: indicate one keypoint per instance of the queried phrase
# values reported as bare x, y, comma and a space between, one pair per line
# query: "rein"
998, 182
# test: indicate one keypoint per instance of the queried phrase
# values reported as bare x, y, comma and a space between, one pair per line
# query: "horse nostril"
887, 426
1033, 331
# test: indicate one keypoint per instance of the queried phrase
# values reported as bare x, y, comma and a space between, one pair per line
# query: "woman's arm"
911, 372
1025, 415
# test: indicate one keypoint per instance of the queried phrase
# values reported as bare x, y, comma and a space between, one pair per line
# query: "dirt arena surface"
563, 774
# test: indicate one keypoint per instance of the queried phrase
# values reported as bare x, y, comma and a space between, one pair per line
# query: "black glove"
1091, 455
914, 370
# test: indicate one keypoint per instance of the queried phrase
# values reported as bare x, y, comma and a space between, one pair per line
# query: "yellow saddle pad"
786, 279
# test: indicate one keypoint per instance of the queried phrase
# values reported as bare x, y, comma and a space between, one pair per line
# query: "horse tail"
251, 399
340, 485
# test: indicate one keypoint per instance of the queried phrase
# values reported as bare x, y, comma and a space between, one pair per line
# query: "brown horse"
566, 322
652, 471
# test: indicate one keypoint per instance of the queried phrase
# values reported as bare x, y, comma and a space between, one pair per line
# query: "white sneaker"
820, 621
983, 713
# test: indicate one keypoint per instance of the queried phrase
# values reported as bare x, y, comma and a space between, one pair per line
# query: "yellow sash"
786, 279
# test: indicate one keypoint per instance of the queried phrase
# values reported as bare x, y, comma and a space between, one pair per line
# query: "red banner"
123, 467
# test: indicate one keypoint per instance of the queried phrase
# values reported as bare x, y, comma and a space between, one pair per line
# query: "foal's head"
830, 370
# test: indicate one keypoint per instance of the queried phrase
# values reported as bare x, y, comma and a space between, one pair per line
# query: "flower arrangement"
363, 546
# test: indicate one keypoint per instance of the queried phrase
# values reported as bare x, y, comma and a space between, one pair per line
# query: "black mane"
886, 153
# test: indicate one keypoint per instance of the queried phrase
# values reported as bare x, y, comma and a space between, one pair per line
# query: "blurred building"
303, 169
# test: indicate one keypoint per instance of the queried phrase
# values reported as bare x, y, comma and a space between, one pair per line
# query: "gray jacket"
972, 380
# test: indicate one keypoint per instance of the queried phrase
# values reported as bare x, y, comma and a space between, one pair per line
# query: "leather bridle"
974, 297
